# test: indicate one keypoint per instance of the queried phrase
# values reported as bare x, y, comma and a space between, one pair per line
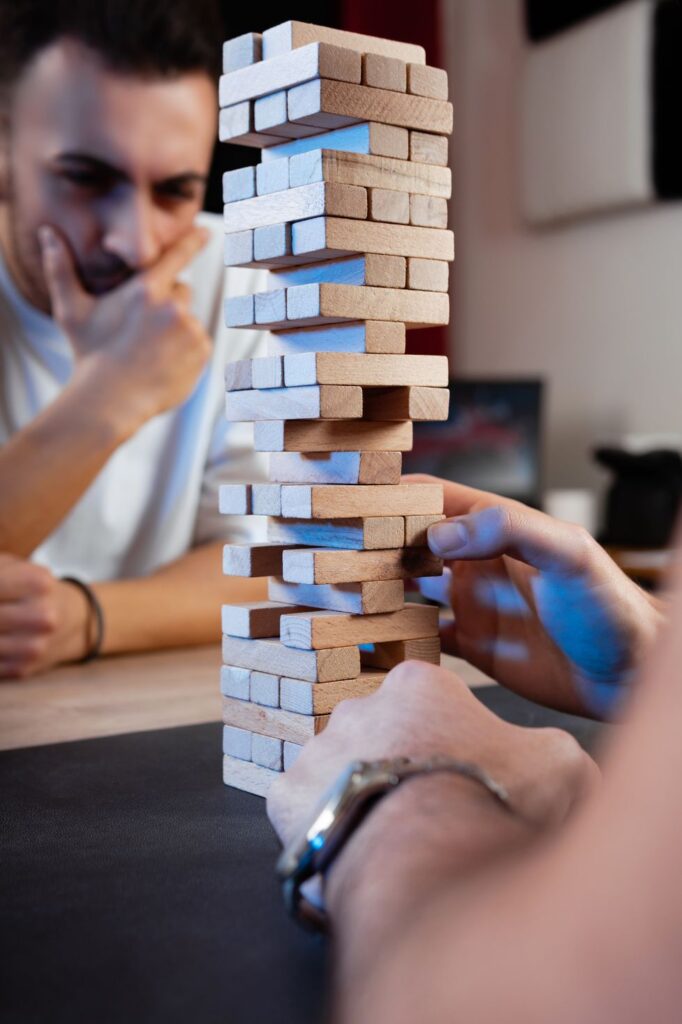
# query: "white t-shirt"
157, 496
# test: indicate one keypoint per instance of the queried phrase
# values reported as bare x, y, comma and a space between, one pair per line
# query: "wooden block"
242, 51
318, 402
369, 534
236, 741
270, 307
321, 699
365, 370
366, 336
252, 559
267, 372
267, 751
427, 81
427, 275
255, 619
381, 72
266, 499
354, 598
368, 138
316, 60
234, 682
389, 205
416, 527
342, 501
291, 752
272, 656
235, 124
328, 104
331, 436
322, 302
238, 375
314, 630
428, 211
369, 171
235, 499
272, 242
247, 776
270, 115
291, 35
238, 249
336, 467
387, 655
411, 403
264, 689
322, 197
428, 149
271, 177
239, 311
327, 237
318, 565
239, 184
375, 271
284, 725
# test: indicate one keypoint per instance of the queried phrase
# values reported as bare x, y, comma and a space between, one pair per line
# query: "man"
563, 905
112, 439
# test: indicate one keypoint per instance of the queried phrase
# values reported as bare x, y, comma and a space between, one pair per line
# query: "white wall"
595, 307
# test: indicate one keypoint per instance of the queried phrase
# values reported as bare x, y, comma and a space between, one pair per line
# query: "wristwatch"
341, 810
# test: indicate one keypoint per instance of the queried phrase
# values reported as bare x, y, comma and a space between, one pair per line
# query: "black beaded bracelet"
96, 613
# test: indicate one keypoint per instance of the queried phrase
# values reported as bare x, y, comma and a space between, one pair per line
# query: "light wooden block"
234, 682
342, 501
317, 629
291, 35
366, 336
266, 499
390, 206
381, 72
267, 372
272, 242
372, 270
270, 307
388, 655
317, 565
264, 689
272, 656
267, 751
428, 275
317, 402
252, 559
365, 370
370, 534
369, 138
235, 499
428, 149
240, 311
239, 184
236, 741
423, 80
428, 211
328, 237
320, 302
321, 698
320, 198
247, 776
331, 436
291, 753
283, 725
270, 115
411, 403
254, 620
328, 104
336, 467
235, 124
416, 528
238, 375
270, 177
316, 60
242, 51
354, 598
238, 249
369, 171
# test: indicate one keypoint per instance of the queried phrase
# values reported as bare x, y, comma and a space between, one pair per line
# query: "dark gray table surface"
136, 887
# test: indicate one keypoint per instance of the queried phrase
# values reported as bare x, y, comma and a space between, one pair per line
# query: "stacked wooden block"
348, 212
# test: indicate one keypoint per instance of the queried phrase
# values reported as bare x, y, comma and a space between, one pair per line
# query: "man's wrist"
116, 418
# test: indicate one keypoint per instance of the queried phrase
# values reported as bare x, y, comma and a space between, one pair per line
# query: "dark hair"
150, 38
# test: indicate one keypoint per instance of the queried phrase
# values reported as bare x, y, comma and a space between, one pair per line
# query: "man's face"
117, 163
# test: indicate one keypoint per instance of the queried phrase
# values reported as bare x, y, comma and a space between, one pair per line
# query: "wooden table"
117, 695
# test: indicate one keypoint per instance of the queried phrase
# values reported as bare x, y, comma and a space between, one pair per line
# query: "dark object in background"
545, 18
643, 500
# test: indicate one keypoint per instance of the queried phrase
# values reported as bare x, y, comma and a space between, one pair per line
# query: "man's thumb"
67, 296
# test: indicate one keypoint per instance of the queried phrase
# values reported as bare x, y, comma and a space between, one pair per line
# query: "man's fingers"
457, 498
546, 544
68, 297
161, 277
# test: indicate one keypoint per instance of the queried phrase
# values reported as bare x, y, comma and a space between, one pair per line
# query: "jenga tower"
348, 211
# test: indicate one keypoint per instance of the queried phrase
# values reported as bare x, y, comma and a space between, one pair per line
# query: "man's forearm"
177, 606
